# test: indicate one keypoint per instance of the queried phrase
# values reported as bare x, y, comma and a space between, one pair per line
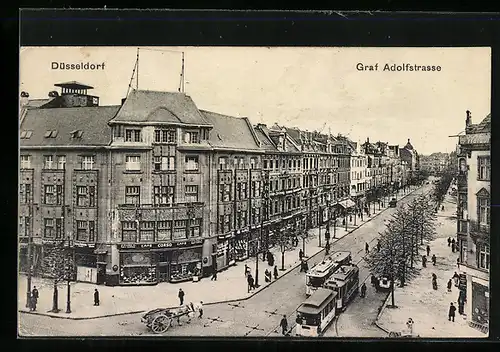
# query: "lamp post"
30, 264
282, 245
68, 278
319, 226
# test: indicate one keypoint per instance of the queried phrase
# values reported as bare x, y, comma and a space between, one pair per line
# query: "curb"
80, 318
292, 268
380, 314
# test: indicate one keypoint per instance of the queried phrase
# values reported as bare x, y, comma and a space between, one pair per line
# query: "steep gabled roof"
91, 121
231, 132
266, 142
145, 106
482, 127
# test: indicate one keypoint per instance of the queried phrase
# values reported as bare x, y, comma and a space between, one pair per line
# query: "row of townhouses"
155, 189
473, 218
435, 163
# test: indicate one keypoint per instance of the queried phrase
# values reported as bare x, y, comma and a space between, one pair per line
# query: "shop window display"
185, 264
136, 268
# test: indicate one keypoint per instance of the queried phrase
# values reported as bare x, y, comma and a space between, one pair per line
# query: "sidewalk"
231, 285
429, 308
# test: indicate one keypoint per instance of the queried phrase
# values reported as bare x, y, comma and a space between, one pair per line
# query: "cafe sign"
160, 245
84, 245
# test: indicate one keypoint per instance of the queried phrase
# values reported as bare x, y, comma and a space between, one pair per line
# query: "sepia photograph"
269, 192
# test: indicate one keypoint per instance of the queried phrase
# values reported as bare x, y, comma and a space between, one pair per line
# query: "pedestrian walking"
363, 290
267, 275
424, 261
250, 282
449, 285
428, 250
247, 270
442, 207
301, 254
456, 278
275, 272
458, 263
96, 297
34, 298
434, 282
378, 246
200, 310
409, 325
461, 307
284, 325
453, 243
181, 296
449, 241
433, 259
327, 248
367, 248
214, 275
451, 312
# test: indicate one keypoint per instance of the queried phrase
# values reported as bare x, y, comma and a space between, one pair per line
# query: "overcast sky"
309, 88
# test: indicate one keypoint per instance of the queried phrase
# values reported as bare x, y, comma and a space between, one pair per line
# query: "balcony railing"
479, 227
462, 226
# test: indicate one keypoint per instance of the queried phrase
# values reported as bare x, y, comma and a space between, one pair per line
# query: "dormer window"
51, 134
192, 137
76, 133
133, 135
26, 134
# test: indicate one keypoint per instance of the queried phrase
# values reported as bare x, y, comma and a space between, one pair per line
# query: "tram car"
345, 282
321, 272
316, 313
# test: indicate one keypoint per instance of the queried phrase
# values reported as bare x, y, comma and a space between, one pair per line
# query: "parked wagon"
160, 319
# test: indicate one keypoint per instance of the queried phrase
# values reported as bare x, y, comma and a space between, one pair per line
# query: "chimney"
367, 139
468, 119
409, 141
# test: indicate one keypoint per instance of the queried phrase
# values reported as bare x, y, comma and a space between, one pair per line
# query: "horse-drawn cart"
160, 319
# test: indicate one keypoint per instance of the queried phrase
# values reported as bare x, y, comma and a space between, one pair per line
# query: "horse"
189, 309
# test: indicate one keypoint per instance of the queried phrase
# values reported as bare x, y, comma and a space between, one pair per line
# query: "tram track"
291, 316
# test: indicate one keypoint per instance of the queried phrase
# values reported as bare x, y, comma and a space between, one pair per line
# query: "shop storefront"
85, 262
480, 305
223, 252
147, 264
240, 246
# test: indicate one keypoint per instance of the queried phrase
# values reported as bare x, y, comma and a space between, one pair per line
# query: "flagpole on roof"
136, 68
137, 75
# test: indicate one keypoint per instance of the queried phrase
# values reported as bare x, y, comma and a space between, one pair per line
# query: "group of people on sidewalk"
267, 277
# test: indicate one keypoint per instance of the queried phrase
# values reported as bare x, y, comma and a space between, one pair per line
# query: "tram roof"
343, 272
326, 265
317, 301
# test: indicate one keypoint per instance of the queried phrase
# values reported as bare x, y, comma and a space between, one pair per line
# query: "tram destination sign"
160, 245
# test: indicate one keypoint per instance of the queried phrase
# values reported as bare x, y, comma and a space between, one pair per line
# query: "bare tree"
58, 265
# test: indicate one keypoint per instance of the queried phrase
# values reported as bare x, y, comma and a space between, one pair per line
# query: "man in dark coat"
451, 312
449, 241
34, 298
275, 272
448, 285
428, 250
284, 325
367, 248
327, 248
181, 296
424, 261
250, 282
301, 254
378, 246
433, 259
96, 298
453, 242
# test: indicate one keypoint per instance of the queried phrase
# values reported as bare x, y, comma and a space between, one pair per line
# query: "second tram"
320, 273
345, 282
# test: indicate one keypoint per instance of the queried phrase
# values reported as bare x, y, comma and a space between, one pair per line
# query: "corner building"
473, 219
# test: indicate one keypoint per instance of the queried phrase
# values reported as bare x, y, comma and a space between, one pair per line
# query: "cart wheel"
160, 324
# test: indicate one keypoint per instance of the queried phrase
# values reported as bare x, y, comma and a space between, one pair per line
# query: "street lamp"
282, 245
29, 259
68, 278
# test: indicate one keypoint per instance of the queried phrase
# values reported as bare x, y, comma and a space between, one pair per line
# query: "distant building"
410, 156
359, 174
473, 223
435, 163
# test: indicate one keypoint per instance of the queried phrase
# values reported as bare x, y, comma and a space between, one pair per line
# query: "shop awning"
347, 203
